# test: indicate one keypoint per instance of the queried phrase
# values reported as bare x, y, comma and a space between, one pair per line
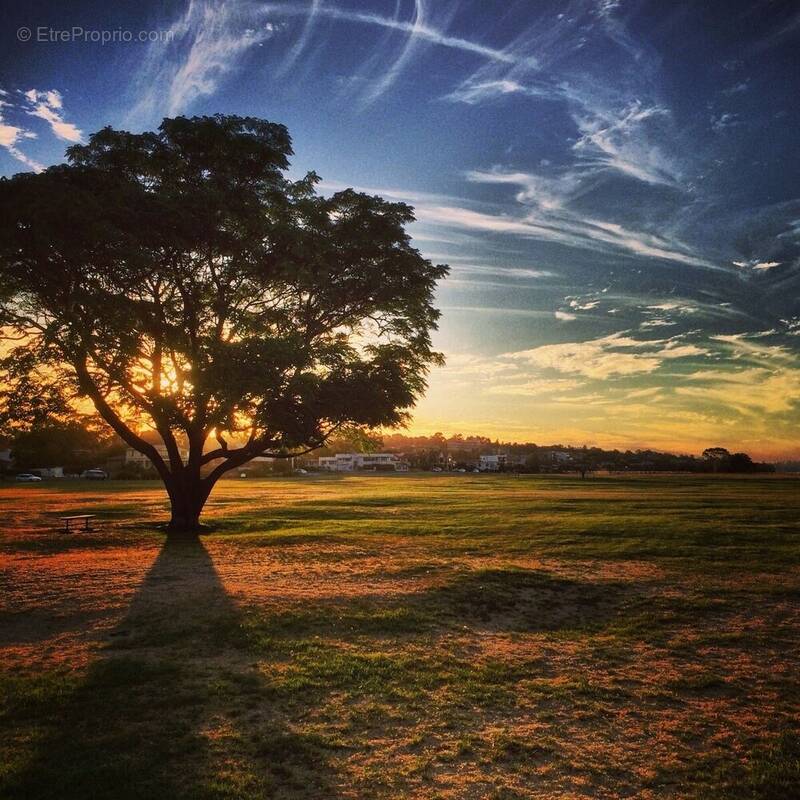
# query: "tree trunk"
185, 516
187, 495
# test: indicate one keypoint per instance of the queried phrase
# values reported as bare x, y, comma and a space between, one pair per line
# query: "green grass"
405, 636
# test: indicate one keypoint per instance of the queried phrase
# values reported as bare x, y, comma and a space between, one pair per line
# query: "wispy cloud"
610, 356
501, 311
475, 92
614, 133
680, 306
619, 124
203, 47
737, 88
209, 39
582, 305
416, 36
751, 391
533, 388
416, 27
12, 135
725, 121
515, 274
756, 265
548, 218
617, 139
303, 39
785, 28
751, 347
49, 106
392, 192
387, 63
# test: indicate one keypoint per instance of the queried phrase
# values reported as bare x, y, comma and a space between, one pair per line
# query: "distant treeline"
465, 451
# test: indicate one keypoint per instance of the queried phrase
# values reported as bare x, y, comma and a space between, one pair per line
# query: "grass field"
411, 636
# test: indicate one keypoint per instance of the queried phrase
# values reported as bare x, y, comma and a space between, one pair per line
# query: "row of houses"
387, 462
501, 461
341, 462
349, 462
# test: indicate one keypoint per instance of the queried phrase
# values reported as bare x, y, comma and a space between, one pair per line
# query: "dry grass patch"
405, 637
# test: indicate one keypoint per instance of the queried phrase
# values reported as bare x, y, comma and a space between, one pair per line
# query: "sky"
615, 183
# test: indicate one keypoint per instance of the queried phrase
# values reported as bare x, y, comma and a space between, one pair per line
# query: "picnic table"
87, 518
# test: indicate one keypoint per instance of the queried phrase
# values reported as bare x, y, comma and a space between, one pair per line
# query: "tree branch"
88, 385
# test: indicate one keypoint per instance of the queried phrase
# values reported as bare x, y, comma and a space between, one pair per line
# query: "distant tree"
532, 462
741, 462
716, 453
66, 444
439, 441
426, 459
356, 440
178, 281
717, 458
583, 461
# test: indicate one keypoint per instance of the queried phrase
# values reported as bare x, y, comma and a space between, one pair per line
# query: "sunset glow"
614, 185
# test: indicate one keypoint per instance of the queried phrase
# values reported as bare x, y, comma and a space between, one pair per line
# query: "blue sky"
615, 183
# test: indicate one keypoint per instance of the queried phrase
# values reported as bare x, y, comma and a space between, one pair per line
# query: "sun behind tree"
181, 282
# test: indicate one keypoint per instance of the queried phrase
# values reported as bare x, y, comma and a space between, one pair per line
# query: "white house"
492, 463
348, 462
134, 457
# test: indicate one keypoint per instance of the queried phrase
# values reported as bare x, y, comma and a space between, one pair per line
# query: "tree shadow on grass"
399, 651
511, 600
524, 601
167, 712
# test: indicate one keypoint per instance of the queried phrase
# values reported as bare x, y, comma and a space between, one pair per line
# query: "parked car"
28, 477
94, 474
301, 471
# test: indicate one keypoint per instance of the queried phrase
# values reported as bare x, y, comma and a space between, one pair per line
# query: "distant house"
492, 463
349, 462
341, 463
134, 458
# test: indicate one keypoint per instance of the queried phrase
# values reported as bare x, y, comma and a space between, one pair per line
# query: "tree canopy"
179, 281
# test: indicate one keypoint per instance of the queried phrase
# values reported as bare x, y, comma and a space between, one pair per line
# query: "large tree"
180, 282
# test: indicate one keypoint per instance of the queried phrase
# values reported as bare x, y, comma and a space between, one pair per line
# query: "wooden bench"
85, 517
